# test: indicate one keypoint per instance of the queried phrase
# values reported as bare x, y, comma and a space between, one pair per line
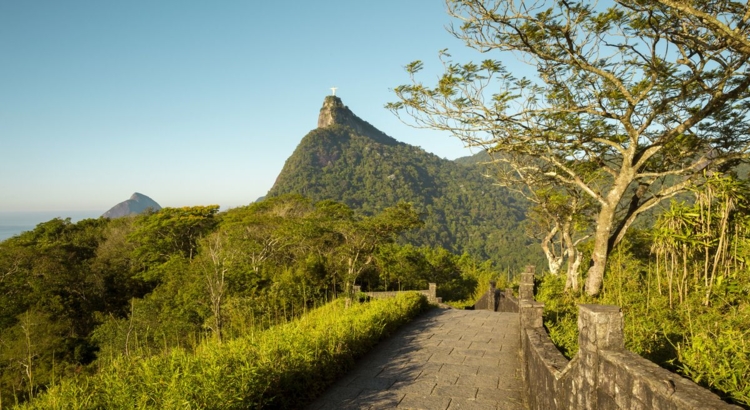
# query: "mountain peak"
138, 203
139, 197
334, 112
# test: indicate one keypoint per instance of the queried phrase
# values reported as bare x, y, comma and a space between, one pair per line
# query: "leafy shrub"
708, 344
560, 314
717, 354
284, 366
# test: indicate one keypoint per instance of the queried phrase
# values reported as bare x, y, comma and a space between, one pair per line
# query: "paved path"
445, 359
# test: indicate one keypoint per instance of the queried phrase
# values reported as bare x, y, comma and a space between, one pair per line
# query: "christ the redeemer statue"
333, 89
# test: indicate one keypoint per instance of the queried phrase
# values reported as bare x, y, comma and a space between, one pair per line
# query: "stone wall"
430, 292
496, 300
507, 302
488, 301
602, 375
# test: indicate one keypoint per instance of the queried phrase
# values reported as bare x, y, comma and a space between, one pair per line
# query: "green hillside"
346, 159
480, 158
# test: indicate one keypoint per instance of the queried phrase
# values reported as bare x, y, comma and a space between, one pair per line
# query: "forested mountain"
346, 159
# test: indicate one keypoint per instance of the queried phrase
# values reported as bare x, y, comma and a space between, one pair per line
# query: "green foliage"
560, 313
282, 367
475, 281
99, 292
50, 293
703, 247
461, 279
445, 270
717, 352
171, 231
707, 343
370, 172
624, 103
400, 267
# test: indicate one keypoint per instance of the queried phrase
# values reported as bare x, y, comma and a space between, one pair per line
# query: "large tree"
362, 236
630, 104
557, 215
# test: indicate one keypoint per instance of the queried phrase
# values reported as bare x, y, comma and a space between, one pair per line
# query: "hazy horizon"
14, 222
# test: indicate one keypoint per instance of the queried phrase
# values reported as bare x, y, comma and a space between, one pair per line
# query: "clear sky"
193, 102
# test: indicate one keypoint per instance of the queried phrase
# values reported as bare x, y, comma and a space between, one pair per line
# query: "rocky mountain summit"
138, 203
335, 112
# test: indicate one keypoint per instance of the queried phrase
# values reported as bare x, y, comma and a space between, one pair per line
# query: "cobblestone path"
445, 359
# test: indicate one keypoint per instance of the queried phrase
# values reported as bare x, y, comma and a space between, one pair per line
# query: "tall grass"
285, 366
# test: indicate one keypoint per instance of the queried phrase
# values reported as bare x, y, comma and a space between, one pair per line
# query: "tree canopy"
632, 103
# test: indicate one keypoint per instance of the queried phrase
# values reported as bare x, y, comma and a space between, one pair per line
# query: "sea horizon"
13, 223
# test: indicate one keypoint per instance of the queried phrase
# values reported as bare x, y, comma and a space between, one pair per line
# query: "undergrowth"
502, 281
708, 344
285, 366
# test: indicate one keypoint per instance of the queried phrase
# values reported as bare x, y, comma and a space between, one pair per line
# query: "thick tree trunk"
603, 236
595, 275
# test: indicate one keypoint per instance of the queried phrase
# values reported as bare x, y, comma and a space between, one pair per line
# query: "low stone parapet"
430, 292
603, 375
504, 301
507, 302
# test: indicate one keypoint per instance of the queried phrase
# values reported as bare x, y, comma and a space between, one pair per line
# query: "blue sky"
193, 103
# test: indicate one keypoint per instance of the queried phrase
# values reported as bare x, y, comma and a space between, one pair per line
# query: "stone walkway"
445, 359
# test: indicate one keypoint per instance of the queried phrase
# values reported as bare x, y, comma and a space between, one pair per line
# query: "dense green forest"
77, 297
352, 162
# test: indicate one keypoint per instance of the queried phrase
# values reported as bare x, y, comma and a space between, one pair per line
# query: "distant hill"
138, 203
347, 159
480, 158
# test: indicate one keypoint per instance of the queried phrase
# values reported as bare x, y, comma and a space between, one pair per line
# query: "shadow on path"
444, 359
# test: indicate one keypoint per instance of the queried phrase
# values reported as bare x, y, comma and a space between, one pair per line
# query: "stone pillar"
492, 297
530, 316
526, 288
531, 313
600, 327
357, 289
433, 293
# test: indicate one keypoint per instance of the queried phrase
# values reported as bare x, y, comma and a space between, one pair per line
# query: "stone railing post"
526, 288
530, 313
600, 327
357, 289
492, 299
433, 293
